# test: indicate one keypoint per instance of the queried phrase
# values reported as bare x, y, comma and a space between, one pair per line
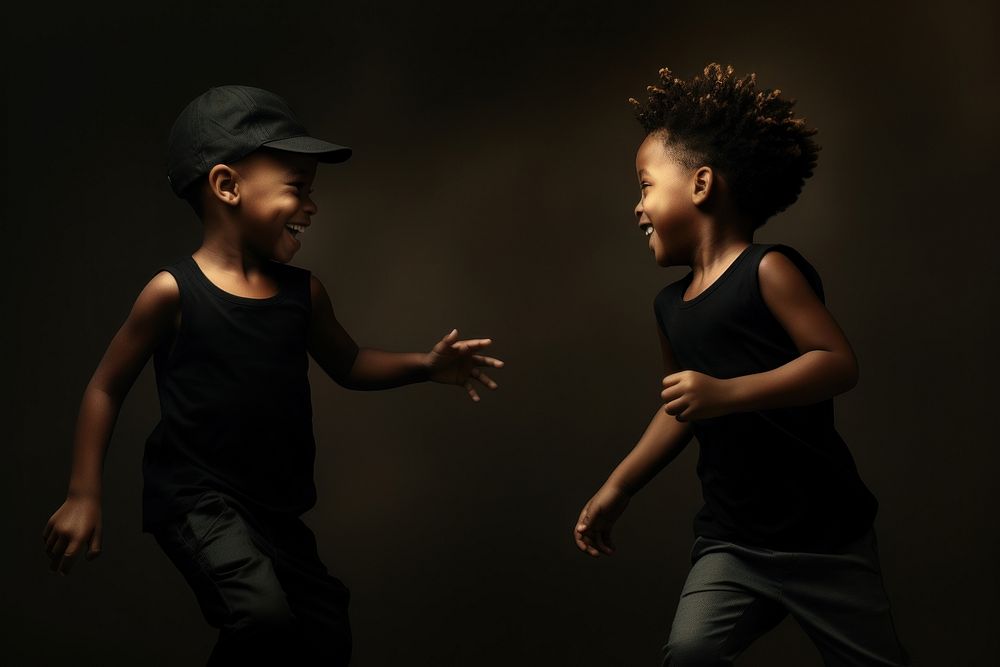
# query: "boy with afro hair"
752, 360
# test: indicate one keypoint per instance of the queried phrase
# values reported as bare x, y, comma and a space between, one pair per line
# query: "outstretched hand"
454, 361
592, 532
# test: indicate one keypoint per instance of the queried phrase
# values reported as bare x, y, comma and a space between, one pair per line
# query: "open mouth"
295, 230
647, 229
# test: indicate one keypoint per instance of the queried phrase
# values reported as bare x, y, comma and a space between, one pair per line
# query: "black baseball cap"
226, 123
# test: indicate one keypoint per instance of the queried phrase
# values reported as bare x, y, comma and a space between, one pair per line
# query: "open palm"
454, 361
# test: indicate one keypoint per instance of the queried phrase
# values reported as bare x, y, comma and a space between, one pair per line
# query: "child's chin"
283, 256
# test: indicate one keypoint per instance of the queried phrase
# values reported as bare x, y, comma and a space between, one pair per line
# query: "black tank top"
235, 404
783, 478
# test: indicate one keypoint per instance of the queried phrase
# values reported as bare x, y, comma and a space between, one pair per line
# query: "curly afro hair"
750, 136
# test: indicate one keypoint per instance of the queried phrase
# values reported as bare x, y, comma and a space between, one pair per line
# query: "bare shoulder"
165, 283
157, 308
161, 292
776, 264
152, 320
781, 279
798, 304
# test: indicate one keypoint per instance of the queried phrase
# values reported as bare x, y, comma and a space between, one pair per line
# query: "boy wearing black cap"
228, 470
752, 359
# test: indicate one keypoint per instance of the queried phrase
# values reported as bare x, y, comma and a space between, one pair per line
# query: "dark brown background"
492, 190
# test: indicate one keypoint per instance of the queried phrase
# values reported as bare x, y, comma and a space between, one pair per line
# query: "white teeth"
296, 228
649, 230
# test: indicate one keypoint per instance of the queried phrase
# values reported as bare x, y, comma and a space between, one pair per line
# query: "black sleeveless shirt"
235, 404
782, 478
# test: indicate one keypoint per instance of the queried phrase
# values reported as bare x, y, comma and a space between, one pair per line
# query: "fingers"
582, 543
63, 550
673, 378
582, 538
95, 544
681, 410
471, 345
446, 342
599, 541
604, 541
472, 392
596, 540
56, 551
675, 407
586, 542
582, 534
487, 361
483, 377
68, 558
51, 541
580, 531
670, 393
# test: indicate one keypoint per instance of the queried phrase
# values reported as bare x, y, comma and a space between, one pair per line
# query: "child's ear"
223, 182
704, 180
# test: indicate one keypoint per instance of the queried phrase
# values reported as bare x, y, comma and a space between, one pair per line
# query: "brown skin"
247, 205
695, 224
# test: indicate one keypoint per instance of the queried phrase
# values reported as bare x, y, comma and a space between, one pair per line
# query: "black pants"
734, 594
259, 580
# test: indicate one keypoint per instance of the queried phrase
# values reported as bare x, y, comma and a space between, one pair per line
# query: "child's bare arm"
826, 365
662, 441
451, 361
346, 363
78, 521
329, 343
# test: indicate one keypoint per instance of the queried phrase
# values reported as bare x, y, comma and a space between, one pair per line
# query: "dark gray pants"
259, 580
734, 594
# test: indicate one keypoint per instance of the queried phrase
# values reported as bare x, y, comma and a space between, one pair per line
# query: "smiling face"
274, 202
667, 208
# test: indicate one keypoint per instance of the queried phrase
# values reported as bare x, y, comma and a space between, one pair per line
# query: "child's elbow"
852, 373
843, 373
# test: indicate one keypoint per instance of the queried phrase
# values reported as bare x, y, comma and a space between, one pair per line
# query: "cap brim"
323, 150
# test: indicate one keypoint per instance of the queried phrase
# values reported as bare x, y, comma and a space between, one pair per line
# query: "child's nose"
638, 209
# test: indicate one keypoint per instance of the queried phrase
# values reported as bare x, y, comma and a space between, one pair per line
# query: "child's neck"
717, 242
